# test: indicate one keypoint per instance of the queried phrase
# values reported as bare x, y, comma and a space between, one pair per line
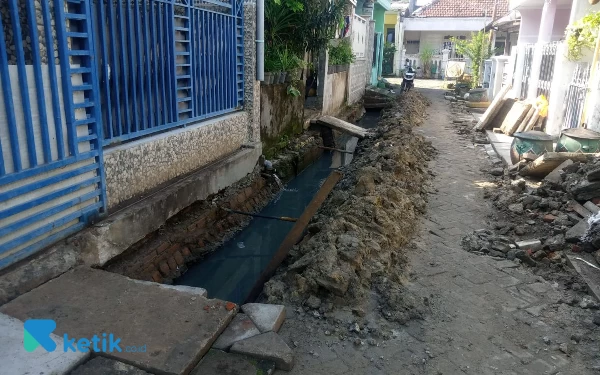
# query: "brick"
149, 269
200, 243
173, 248
149, 258
549, 218
172, 263
186, 252
164, 268
179, 258
248, 192
156, 276
162, 247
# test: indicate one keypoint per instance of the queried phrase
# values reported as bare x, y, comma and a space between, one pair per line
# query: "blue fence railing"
51, 180
167, 63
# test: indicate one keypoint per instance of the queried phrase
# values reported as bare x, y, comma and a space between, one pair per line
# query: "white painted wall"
530, 25
446, 24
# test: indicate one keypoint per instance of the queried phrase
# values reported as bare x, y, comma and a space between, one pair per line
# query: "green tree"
426, 54
477, 49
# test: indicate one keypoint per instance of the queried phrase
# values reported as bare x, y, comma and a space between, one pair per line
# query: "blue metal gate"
167, 63
51, 180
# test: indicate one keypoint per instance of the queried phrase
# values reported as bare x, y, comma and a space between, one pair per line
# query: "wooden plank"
526, 120
492, 109
515, 117
296, 234
534, 119
546, 163
341, 125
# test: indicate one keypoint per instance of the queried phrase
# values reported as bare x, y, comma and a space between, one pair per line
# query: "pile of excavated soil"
355, 242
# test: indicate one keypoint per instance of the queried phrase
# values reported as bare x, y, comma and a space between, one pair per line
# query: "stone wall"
26, 32
280, 114
136, 168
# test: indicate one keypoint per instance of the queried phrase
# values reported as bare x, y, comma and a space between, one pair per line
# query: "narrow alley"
484, 316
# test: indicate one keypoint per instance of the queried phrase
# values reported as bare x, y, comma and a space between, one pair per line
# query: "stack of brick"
190, 235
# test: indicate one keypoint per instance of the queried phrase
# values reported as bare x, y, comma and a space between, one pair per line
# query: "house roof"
462, 9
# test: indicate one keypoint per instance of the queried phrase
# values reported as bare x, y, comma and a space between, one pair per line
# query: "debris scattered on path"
354, 240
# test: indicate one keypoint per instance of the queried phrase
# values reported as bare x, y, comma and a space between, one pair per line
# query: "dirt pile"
354, 242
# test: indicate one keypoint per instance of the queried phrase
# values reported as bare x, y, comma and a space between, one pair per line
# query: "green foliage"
293, 5
582, 35
478, 49
426, 54
389, 49
341, 54
291, 90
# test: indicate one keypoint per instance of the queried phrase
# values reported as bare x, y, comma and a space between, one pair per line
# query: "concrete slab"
268, 346
240, 328
15, 360
501, 144
176, 328
266, 317
104, 366
576, 232
590, 275
217, 362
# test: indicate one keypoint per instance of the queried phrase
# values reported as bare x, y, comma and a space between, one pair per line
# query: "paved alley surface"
485, 317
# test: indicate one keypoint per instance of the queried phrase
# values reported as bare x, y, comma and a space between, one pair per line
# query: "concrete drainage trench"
233, 271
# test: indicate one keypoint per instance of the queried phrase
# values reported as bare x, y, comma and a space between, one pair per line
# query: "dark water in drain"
230, 272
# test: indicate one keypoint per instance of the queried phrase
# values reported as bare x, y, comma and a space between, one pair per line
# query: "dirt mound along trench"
355, 240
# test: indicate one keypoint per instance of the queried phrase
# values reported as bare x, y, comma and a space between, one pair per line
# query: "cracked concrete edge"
593, 288
98, 244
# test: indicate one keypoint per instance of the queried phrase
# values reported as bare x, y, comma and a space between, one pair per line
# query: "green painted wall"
379, 18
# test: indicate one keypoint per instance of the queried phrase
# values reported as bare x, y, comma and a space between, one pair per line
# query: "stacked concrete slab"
252, 334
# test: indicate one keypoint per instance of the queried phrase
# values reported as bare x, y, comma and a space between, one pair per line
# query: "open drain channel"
231, 272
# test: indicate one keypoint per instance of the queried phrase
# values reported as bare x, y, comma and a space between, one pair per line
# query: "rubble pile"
544, 219
353, 243
463, 122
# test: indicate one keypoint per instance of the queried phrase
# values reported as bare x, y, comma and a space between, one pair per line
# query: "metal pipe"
282, 218
260, 40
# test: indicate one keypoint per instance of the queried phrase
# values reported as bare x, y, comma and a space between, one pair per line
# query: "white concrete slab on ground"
501, 144
266, 317
16, 360
161, 330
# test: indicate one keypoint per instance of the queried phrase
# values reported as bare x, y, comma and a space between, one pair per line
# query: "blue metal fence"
167, 63
51, 180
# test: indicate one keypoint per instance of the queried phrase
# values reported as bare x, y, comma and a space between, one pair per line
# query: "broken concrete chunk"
554, 177
516, 208
534, 245
555, 242
240, 328
575, 233
591, 207
586, 190
268, 346
593, 175
266, 317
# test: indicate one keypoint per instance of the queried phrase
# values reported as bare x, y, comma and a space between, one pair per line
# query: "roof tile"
462, 8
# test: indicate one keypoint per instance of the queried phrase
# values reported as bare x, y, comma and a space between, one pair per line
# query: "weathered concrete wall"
280, 113
136, 168
334, 96
96, 245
